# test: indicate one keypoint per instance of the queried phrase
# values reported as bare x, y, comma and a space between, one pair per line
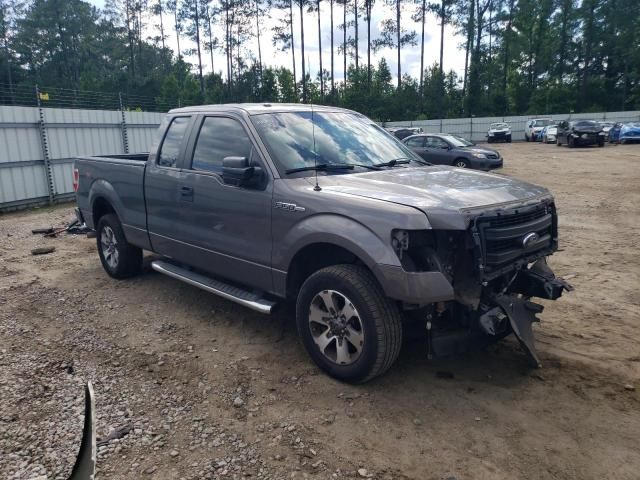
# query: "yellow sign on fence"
44, 96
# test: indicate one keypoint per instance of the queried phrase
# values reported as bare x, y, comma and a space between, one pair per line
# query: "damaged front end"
514, 302
495, 267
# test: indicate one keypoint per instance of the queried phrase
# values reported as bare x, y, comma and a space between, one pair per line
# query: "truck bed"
119, 179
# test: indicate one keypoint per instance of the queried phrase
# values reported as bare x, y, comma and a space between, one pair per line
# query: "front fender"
337, 230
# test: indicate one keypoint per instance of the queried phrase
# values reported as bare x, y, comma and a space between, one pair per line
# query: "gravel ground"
201, 388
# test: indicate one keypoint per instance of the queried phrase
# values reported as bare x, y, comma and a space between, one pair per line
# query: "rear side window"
219, 137
173, 139
415, 142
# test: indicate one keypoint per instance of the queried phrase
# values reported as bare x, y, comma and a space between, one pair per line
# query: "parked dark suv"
579, 133
449, 149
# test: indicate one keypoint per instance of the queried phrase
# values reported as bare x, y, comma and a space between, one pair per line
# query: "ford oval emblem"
530, 239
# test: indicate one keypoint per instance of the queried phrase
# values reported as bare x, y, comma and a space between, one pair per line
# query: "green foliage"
523, 56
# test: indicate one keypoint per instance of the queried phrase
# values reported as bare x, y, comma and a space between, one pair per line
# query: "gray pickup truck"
320, 206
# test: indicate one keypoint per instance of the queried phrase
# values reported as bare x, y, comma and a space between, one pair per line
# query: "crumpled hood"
438, 191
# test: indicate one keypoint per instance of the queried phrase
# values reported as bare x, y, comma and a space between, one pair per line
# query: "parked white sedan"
550, 134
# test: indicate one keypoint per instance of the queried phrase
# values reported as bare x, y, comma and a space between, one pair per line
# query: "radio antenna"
316, 188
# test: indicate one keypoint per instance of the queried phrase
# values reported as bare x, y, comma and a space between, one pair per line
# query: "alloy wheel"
336, 327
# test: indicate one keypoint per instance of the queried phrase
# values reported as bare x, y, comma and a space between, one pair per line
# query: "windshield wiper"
332, 166
402, 160
320, 166
394, 162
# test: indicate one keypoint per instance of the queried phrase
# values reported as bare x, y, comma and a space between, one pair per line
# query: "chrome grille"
500, 237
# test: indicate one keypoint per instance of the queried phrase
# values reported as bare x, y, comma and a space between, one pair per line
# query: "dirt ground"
213, 390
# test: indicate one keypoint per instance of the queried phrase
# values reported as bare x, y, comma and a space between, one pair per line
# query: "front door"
229, 227
438, 151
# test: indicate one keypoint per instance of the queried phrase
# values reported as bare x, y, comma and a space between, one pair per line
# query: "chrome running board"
248, 299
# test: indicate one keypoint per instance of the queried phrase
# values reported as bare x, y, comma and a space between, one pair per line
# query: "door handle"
186, 193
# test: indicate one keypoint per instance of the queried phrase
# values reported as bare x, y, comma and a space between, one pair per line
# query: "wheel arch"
314, 257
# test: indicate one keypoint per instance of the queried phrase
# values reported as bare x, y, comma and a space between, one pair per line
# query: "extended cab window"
173, 139
219, 137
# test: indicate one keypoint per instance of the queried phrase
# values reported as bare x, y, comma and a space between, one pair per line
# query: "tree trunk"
344, 39
293, 50
210, 38
470, 30
355, 4
320, 52
130, 35
368, 5
333, 88
588, 44
507, 39
227, 39
423, 10
177, 27
304, 71
442, 22
258, 36
161, 24
398, 40
198, 44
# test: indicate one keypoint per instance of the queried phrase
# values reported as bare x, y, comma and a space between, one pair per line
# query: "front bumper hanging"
536, 281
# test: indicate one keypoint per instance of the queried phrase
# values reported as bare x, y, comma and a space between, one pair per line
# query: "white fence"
37, 147
475, 128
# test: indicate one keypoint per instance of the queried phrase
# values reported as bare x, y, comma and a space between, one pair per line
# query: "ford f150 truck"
320, 206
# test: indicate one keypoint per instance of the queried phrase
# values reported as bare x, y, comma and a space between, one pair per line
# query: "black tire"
601, 143
526, 137
509, 139
558, 142
571, 143
379, 319
126, 259
461, 163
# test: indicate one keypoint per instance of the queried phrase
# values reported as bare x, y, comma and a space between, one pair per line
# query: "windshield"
499, 125
541, 122
457, 141
340, 138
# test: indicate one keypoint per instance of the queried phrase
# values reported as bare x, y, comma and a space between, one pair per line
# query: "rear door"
417, 145
438, 151
163, 197
227, 227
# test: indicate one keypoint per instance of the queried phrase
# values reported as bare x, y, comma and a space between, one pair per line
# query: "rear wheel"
461, 163
571, 143
526, 137
119, 258
347, 325
601, 143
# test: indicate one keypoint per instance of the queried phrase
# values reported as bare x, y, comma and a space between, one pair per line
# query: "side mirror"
237, 171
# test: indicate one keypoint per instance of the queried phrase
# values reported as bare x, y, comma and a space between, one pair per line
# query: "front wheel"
461, 163
509, 139
347, 325
119, 258
571, 142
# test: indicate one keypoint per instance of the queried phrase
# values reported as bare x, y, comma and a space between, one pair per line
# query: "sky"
271, 56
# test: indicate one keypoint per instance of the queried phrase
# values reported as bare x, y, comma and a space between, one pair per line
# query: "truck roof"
258, 108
